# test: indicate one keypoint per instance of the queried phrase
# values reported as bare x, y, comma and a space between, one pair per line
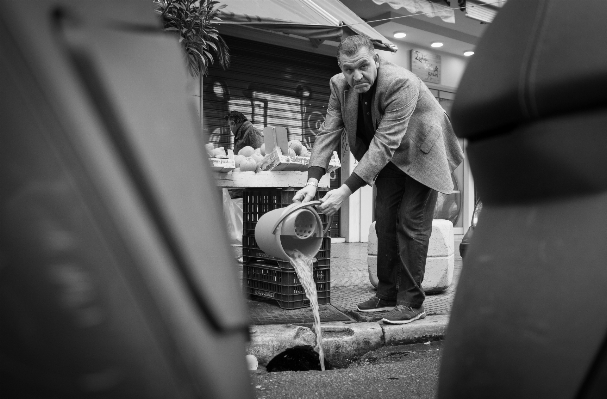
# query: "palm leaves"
193, 20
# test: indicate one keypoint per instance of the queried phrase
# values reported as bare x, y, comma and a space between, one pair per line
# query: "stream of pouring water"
304, 268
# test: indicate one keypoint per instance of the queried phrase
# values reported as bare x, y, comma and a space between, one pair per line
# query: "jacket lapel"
350, 114
375, 115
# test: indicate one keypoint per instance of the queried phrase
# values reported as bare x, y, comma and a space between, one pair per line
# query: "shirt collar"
368, 95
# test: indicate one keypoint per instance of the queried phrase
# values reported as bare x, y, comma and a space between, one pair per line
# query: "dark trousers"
404, 210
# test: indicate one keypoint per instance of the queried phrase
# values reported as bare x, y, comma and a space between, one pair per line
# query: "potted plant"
194, 21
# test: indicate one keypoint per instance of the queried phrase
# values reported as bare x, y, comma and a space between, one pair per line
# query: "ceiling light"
468, 53
399, 35
437, 44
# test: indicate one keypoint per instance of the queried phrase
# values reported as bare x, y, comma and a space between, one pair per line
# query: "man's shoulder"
393, 71
339, 80
249, 128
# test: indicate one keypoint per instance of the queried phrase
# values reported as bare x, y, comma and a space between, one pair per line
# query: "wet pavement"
350, 285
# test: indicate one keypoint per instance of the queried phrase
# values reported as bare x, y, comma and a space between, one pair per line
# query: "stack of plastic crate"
267, 277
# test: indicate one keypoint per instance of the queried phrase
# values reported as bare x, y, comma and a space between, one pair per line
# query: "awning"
317, 20
429, 8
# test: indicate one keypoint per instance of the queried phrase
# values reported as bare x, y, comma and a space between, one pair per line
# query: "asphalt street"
405, 371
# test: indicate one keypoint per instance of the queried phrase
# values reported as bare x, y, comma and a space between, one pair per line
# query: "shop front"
278, 79
272, 86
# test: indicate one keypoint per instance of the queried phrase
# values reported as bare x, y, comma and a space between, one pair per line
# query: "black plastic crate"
261, 271
289, 302
248, 228
267, 281
251, 253
258, 201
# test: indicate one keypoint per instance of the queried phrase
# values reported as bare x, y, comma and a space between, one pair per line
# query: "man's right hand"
306, 194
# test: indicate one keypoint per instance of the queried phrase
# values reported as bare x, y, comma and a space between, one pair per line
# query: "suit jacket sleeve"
396, 106
329, 137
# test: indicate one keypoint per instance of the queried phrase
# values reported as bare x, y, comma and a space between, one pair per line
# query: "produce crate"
277, 161
252, 253
222, 164
282, 285
257, 201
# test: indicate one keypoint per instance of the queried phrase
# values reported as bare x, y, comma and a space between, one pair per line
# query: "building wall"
452, 67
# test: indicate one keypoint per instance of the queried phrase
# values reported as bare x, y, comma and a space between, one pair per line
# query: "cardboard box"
276, 161
222, 164
275, 137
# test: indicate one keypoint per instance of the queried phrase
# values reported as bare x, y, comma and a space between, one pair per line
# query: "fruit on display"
296, 146
257, 157
209, 147
247, 151
262, 149
292, 152
248, 164
219, 153
304, 152
238, 159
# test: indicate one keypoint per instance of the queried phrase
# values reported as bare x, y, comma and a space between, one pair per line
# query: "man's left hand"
332, 201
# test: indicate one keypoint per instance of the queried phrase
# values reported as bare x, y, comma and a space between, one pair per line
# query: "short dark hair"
351, 44
235, 116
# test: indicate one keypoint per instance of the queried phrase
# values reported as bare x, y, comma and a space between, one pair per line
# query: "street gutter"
343, 342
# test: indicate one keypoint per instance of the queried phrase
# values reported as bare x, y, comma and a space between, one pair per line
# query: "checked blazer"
412, 130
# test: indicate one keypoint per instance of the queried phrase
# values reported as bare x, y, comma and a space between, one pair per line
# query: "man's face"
360, 69
232, 125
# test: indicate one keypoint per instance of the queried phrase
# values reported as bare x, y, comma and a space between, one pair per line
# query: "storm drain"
297, 358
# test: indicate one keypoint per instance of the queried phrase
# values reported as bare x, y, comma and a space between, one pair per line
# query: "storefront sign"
426, 65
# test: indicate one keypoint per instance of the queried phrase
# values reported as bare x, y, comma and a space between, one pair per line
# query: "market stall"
271, 184
276, 179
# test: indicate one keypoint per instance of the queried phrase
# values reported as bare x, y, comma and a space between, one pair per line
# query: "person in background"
245, 134
405, 145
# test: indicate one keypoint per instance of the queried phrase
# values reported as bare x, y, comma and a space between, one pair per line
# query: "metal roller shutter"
272, 86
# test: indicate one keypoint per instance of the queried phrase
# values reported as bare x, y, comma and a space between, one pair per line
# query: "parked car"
463, 246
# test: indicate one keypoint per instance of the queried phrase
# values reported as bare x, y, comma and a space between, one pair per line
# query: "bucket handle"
297, 206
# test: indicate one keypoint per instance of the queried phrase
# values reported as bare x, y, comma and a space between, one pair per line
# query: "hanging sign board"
426, 65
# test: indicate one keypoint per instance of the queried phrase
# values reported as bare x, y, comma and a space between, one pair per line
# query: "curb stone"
343, 342
432, 328
268, 341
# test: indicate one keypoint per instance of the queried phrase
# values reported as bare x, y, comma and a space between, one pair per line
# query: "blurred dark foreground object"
115, 280
529, 316
467, 238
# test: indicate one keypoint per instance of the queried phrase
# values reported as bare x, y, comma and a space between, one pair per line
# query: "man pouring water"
405, 145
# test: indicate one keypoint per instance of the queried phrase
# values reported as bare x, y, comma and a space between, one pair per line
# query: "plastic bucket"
298, 226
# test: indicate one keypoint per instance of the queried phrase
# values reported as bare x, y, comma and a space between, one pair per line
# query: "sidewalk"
347, 334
